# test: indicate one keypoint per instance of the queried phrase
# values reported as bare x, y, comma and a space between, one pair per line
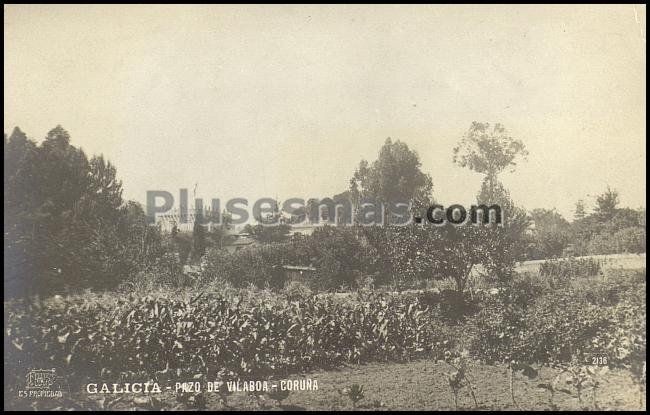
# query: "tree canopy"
66, 224
395, 177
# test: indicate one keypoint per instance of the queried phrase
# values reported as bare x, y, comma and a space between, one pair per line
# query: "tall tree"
395, 177
20, 194
552, 233
65, 221
606, 204
220, 235
104, 187
198, 238
489, 150
579, 212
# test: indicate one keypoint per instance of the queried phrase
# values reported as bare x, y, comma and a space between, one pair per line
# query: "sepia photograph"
324, 207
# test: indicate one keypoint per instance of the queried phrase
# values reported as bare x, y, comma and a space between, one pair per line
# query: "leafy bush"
551, 236
528, 324
340, 258
560, 327
626, 240
260, 266
619, 286
295, 290
211, 334
450, 305
496, 329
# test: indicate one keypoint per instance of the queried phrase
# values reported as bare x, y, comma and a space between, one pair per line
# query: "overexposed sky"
284, 101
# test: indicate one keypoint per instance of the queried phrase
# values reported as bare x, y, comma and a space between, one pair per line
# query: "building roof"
298, 268
241, 242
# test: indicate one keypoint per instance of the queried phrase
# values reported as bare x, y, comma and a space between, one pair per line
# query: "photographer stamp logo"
40, 379
42, 383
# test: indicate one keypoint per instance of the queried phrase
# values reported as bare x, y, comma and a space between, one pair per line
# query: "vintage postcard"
324, 207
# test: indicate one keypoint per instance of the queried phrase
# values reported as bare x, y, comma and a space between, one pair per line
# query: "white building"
173, 218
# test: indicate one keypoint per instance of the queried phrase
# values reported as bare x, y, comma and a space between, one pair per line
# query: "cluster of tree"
268, 234
66, 224
397, 255
402, 255
349, 257
338, 255
609, 229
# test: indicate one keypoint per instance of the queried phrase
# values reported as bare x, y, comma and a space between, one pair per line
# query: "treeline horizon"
68, 226
579, 212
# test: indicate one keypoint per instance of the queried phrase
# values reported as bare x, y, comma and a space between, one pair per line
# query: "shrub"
340, 259
214, 335
561, 326
626, 240
260, 266
619, 286
558, 327
497, 327
454, 306
569, 268
296, 290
